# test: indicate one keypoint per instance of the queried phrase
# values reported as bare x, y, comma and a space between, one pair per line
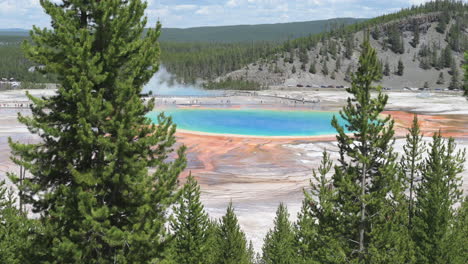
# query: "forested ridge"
104, 189
247, 33
424, 42
431, 37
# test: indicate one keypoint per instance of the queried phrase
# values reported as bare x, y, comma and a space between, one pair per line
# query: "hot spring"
252, 122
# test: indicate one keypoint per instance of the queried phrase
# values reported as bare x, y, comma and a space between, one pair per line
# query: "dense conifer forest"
328, 54
97, 201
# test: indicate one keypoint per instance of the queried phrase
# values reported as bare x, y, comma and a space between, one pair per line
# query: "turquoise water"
253, 122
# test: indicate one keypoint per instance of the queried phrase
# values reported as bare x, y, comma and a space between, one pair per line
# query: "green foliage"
234, 84
415, 41
465, 67
17, 232
313, 68
438, 192
441, 79
324, 68
318, 222
386, 70
279, 246
14, 65
443, 21
401, 68
338, 64
253, 33
90, 179
231, 242
192, 61
458, 248
348, 74
349, 46
395, 40
190, 227
411, 164
455, 83
363, 185
293, 70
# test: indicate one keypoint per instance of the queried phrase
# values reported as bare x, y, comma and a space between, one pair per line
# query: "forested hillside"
417, 47
247, 33
190, 54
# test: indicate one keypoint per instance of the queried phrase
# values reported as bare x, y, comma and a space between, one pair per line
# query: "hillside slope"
248, 33
429, 45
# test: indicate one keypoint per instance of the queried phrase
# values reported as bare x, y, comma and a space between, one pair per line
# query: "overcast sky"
195, 13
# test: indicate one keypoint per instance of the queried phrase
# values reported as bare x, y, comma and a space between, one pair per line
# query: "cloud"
189, 13
184, 7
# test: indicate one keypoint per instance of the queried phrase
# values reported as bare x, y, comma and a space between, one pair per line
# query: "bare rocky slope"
423, 62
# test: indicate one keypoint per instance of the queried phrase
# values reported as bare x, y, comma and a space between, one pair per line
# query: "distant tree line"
103, 180
233, 84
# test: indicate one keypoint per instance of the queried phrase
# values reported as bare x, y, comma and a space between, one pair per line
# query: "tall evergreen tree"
318, 223
231, 242
190, 227
386, 70
279, 246
454, 82
338, 64
16, 231
312, 68
465, 81
325, 68
90, 181
411, 163
349, 46
401, 68
415, 41
458, 248
366, 168
437, 194
441, 79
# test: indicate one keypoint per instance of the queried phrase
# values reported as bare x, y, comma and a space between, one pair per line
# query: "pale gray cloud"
192, 13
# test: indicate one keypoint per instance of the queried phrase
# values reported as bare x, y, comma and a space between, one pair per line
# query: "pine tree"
386, 70
16, 231
401, 68
439, 190
318, 222
312, 68
444, 19
441, 79
231, 242
411, 163
303, 67
349, 46
454, 83
325, 68
90, 181
365, 174
415, 40
279, 247
305, 234
348, 74
190, 226
458, 248
446, 57
465, 67
338, 64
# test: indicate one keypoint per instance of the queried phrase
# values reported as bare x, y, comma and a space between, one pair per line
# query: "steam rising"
164, 83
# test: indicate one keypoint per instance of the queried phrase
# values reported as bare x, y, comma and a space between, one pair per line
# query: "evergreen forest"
103, 182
